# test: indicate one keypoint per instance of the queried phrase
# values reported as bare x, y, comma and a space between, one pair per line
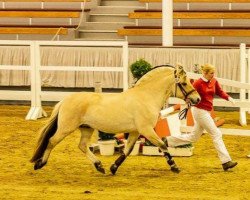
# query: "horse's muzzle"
193, 101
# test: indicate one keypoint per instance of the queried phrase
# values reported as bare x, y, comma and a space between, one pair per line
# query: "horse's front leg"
151, 135
133, 136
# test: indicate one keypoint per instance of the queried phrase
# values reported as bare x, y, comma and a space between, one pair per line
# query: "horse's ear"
179, 66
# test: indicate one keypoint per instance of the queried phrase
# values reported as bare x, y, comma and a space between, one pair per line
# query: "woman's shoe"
228, 165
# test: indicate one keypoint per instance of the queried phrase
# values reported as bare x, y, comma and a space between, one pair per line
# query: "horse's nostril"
198, 100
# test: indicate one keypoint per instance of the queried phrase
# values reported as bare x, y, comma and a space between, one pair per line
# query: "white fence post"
243, 63
167, 23
36, 111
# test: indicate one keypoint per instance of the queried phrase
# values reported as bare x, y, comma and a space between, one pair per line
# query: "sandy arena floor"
69, 175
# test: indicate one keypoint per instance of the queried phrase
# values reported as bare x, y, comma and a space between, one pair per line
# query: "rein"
183, 113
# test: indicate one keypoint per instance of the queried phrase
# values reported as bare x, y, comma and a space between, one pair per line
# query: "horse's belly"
110, 124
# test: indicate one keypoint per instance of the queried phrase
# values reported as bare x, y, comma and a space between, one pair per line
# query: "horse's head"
183, 88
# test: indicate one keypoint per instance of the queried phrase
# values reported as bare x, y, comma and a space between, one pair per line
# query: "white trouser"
203, 120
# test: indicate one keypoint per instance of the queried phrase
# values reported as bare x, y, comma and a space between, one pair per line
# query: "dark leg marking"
117, 163
39, 164
98, 166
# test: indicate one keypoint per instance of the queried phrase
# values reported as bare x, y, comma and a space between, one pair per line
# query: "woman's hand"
232, 100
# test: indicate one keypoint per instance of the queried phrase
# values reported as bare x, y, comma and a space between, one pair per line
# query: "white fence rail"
36, 110
18, 95
36, 95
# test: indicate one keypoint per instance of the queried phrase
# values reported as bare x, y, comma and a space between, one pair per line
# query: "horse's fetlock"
113, 168
171, 162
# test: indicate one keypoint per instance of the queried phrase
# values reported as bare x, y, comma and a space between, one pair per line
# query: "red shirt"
207, 90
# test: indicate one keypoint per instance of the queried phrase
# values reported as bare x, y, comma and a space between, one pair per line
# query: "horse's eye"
184, 84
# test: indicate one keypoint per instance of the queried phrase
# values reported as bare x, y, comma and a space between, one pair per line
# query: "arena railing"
36, 110
36, 96
17, 94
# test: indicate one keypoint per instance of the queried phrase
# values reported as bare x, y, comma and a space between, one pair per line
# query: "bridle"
184, 92
183, 113
177, 82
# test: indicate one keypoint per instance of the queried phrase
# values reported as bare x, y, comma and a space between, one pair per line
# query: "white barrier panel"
36, 110
14, 94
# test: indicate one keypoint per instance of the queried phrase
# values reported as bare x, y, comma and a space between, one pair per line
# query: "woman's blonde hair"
207, 68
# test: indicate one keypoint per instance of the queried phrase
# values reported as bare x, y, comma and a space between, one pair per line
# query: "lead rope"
183, 113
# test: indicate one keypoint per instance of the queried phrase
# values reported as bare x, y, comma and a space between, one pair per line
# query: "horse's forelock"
180, 72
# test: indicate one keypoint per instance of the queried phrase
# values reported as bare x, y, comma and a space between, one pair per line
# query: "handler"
207, 86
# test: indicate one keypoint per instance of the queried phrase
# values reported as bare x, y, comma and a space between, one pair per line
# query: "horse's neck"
157, 90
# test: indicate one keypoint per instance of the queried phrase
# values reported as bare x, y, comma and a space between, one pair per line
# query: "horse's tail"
45, 134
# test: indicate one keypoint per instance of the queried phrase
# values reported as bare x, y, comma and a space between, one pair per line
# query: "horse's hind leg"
153, 137
86, 134
53, 141
130, 144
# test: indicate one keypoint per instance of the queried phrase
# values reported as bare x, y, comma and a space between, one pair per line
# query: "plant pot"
107, 147
136, 148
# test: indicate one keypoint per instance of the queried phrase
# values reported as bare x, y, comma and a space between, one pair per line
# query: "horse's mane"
152, 72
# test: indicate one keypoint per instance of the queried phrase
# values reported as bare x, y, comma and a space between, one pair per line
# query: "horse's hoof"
39, 164
175, 169
113, 169
99, 167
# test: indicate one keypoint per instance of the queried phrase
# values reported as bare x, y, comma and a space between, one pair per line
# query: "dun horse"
134, 111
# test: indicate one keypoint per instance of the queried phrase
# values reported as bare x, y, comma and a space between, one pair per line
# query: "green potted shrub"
139, 68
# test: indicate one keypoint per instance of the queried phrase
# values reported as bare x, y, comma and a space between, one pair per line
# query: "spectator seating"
40, 20
194, 27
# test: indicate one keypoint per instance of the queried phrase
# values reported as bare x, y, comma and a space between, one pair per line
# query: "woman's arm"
220, 92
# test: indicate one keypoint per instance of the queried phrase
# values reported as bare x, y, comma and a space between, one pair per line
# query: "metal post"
98, 87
